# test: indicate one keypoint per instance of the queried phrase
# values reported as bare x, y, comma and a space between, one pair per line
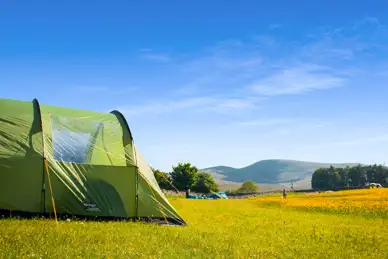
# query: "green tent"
58, 161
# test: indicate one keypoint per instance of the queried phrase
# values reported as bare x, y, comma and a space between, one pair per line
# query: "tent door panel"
91, 190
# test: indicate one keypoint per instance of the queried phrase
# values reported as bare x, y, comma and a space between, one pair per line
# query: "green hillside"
219, 172
270, 171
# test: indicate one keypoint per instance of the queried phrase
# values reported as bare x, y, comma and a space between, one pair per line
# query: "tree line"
185, 176
246, 187
326, 178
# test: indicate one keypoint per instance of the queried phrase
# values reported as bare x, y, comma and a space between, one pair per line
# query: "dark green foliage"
205, 183
326, 178
248, 187
320, 178
163, 180
186, 176
234, 191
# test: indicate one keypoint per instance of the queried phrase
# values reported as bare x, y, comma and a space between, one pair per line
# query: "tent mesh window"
72, 139
84, 141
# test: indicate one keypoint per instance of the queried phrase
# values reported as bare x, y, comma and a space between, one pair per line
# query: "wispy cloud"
368, 21
356, 41
383, 138
309, 65
264, 122
355, 142
265, 41
157, 57
122, 91
199, 104
236, 103
145, 50
291, 125
298, 79
245, 87
91, 89
104, 90
274, 26
229, 74
150, 54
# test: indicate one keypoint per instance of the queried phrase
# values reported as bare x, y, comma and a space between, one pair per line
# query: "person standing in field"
284, 194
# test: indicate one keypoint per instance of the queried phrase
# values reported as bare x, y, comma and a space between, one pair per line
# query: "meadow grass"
302, 226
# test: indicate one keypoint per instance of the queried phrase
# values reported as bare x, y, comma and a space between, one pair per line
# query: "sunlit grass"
302, 226
366, 202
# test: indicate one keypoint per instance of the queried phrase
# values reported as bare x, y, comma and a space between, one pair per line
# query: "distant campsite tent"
58, 161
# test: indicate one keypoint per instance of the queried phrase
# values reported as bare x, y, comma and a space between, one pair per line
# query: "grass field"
348, 224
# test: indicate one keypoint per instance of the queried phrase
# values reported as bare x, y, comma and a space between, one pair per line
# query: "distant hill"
219, 172
274, 171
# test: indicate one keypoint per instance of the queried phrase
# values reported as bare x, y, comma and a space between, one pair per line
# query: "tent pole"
47, 171
36, 108
51, 191
136, 183
137, 194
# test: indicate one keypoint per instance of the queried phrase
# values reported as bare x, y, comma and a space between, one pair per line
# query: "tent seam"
43, 191
119, 114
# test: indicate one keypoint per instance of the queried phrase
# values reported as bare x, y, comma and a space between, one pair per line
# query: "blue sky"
220, 83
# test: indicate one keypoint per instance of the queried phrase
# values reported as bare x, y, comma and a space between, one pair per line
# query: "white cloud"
318, 64
235, 103
383, 138
145, 50
297, 79
264, 122
265, 41
222, 69
199, 104
157, 57
126, 90
368, 21
232, 76
317, 125
333, 44
274, 26
105, 89
229, 74
361, 141
92, 89
271, 127
150, 54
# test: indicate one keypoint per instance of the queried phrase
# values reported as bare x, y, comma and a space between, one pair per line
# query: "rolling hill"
273, 171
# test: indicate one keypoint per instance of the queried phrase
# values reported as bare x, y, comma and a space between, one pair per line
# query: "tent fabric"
93, 167
152, 199
20, 150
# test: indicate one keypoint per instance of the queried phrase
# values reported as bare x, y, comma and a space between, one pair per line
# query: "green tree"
233, 191
248, 187
382, 174
184, 176
163, 180
371, 172
334, 178
357, 175
320, 179
205, 183
343, 173
326, 178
